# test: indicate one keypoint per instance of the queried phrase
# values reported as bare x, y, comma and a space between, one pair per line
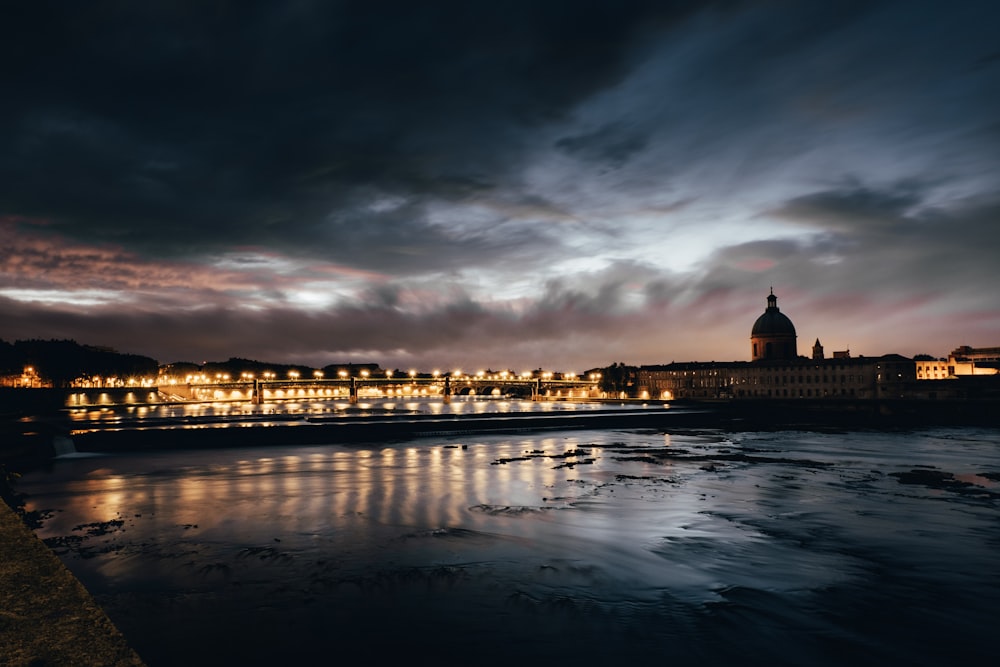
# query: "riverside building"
777, 371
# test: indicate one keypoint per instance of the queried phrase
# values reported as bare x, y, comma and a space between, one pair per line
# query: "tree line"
62, 361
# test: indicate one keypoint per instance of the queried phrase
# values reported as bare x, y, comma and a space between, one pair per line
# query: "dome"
773, 334
773, 323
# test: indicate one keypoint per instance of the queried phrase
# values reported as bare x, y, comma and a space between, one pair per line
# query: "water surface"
693, 548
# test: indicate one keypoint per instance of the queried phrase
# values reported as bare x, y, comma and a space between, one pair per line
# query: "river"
690, 547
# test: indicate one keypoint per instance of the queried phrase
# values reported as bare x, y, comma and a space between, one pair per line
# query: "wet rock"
571, 464
935, 479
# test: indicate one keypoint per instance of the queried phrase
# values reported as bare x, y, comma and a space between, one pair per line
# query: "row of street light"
364, 374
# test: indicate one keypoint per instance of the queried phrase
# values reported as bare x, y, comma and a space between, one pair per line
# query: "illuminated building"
776, 370
963, 360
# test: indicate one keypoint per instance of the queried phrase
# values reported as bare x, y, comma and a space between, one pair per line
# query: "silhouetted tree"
618, 378
62, 361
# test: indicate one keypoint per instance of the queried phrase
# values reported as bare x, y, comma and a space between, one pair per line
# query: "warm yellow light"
413, 374
388, 374
317, 374
364, 374
342, 374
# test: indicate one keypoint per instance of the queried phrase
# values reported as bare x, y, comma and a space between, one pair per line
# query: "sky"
540, 184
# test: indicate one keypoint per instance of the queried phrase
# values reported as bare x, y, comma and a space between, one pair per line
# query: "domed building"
776, 371
773, 334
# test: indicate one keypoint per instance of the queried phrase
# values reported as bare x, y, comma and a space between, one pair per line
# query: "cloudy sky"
512, 184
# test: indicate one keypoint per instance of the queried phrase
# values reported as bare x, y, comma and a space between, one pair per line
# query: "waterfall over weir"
63, 446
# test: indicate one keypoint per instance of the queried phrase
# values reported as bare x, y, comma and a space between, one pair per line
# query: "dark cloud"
611, 144
182, 127
857, 209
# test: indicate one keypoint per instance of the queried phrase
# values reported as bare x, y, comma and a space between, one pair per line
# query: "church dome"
773, 323
773, 334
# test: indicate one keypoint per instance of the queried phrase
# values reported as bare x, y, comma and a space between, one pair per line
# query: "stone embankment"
47, 617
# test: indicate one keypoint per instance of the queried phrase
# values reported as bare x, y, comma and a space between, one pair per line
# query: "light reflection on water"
777, 548
235, 410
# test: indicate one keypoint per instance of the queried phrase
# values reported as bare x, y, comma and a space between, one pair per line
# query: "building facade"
776, 371
933, 369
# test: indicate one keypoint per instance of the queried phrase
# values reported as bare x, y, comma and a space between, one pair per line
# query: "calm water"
583, 546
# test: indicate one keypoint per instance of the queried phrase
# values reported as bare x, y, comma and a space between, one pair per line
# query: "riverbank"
46, 615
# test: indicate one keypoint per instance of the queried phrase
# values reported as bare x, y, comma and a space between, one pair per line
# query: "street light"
318, 374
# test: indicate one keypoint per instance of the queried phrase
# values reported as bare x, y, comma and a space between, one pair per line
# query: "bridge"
353, 389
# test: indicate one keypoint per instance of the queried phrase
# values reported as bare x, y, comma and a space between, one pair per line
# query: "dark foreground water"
580, 547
